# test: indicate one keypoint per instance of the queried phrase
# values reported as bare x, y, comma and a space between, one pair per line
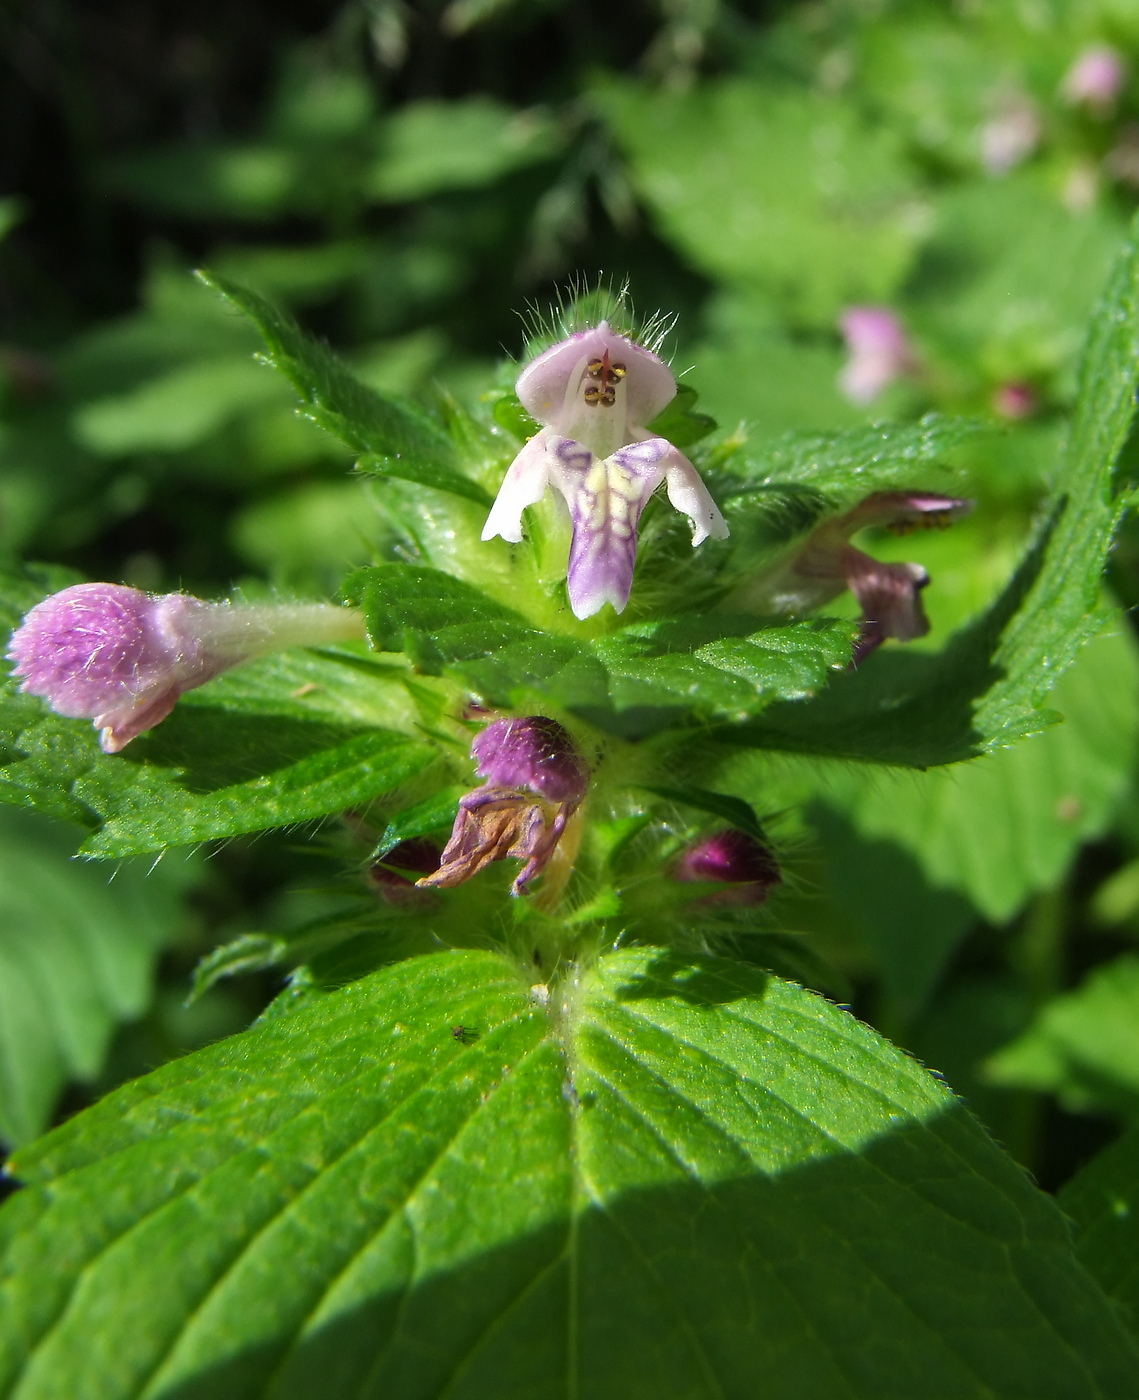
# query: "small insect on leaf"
465, 1035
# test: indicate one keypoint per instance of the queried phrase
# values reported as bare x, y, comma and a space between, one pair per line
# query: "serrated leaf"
848, 466
423, 1184
632, 681
77, 955
391, 436
1103, 1200
987, 687
1007, 824
351, 773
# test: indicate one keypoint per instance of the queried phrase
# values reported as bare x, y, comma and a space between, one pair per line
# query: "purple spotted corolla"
827, 563
535, 782
594, 393
122, 658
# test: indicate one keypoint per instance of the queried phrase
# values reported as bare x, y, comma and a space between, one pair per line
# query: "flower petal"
605, 500
890, 598
551, 382
524, 485
688, 494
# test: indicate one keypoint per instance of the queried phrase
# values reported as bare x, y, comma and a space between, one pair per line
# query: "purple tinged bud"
731, 857
1015, 401
122, 658
1095, 80
387, 877
536, 780
880, 352
533, 752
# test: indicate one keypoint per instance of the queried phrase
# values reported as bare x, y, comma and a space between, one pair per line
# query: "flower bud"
120, 657
1010, 137
536, 780
732, 858
533, 752
387, 877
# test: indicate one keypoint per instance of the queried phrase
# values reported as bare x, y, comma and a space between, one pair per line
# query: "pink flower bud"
880, 352
386, 877
536, 780
1014, 401
120, 657
734, 858
1096, 79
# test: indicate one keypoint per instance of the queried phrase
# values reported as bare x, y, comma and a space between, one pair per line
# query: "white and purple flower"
122, 658
594, 393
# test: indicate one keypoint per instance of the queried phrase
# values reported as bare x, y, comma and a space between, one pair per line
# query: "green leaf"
433, 146
425, 1184
632, 681
391, 436
733, 810
1082, 1046
1103, 1200
76, 958
434, 813
351, 773
848, 466
985, 690
789, 191
1007, 824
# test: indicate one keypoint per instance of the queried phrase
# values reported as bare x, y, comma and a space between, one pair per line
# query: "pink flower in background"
880, 352
733, 858
1095, 80
1010, 137
535, 781
595, 392
120, 657
827, 563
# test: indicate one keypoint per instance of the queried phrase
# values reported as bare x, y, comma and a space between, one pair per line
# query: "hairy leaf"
395, 437
631, 682
425, 1184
